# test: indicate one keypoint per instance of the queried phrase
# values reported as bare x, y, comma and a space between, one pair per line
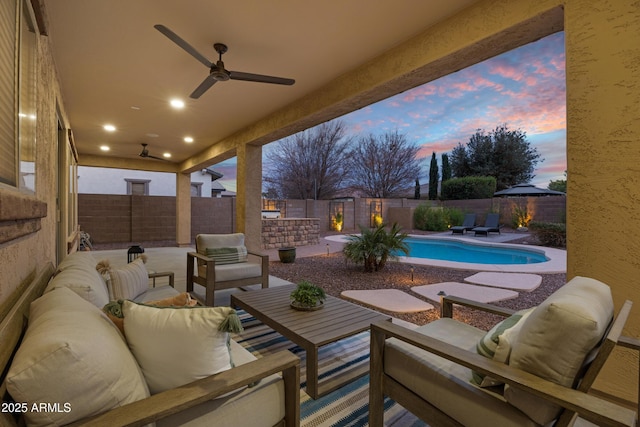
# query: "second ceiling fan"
217, 72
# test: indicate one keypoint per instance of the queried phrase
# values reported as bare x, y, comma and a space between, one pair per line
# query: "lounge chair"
491, 225
468, 224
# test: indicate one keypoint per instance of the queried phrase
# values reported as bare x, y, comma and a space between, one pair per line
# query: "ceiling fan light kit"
217, 71
145, 153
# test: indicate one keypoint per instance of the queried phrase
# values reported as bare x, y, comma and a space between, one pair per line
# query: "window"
138, 187
196, 189
18, 30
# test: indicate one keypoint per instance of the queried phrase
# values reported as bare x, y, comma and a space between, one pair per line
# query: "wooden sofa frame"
574, 401
13, 316
209, 281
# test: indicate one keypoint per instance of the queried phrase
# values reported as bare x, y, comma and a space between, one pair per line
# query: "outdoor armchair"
544, 380
221, 261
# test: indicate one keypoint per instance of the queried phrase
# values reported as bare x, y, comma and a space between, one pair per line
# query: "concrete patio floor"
174, 259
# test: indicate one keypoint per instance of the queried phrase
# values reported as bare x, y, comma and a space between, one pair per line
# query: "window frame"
130, 183
18, 143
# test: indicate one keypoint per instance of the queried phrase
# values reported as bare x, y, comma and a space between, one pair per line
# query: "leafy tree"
446, 167
468, 187
504, 154
434, 176
559, 184
383, 166
373, 247
309, 164
416, 193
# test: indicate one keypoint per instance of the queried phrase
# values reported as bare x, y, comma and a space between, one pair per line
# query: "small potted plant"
307, 297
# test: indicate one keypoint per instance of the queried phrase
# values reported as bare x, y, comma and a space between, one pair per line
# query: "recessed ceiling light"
153, 135
104, 148
177, 103
133, 107
167, 155
109, 128
188, 139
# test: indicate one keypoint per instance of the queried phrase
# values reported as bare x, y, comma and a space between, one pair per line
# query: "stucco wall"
20, 258
603, 153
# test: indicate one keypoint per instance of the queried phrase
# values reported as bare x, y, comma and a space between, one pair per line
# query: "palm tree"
373, 247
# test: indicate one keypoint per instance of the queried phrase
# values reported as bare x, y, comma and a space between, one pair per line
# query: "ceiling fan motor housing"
219, 73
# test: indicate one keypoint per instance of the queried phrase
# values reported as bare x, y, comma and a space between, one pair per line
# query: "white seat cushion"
233, 271
158, 293
72, 353
236, 409
447, 385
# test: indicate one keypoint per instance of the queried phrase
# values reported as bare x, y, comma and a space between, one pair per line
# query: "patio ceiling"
116, 68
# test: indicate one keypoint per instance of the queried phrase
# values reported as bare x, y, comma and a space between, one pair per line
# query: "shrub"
468, 187
520, 216
373, 247
428, 218
552, 234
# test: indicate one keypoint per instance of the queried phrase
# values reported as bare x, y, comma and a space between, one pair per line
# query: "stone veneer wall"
285, 232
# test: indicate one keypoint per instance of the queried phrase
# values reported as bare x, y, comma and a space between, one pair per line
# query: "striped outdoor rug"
347, 406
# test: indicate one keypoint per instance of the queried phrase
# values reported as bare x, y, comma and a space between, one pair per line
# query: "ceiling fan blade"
157, 158
204, 86
237, 75
183, 44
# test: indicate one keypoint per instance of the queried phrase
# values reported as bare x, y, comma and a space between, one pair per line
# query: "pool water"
451, 250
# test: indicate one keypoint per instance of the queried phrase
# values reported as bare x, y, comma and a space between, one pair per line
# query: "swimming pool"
458, 251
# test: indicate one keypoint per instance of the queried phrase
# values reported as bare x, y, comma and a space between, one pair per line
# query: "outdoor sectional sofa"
75, 365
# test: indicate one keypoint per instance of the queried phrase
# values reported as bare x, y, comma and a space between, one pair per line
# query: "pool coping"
557, 257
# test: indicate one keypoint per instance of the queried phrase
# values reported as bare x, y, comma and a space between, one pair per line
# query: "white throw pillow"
175, 346
72, 354
129, 281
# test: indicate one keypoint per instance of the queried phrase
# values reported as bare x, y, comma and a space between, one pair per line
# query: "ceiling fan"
145, 153
217, 72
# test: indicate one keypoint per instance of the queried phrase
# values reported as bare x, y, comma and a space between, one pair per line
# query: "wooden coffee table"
310, 330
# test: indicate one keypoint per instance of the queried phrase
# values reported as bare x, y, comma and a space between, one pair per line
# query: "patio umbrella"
527, 190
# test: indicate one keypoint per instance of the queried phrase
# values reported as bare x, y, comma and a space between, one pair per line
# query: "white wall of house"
93, 180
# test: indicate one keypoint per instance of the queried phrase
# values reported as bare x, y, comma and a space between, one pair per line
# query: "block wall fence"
118, 219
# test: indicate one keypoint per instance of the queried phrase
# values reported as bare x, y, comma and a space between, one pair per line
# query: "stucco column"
183, 209
603, 148
249, 195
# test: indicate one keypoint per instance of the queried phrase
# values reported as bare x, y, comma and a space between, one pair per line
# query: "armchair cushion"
233, 271
229, 255
584, 308
444, 383
175, 346
204, 241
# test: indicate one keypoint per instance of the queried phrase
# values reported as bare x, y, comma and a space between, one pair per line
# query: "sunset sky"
524, 88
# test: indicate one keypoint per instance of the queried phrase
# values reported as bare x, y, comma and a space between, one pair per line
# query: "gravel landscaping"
334, 275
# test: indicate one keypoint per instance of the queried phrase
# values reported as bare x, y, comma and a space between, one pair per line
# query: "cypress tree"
433, 178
